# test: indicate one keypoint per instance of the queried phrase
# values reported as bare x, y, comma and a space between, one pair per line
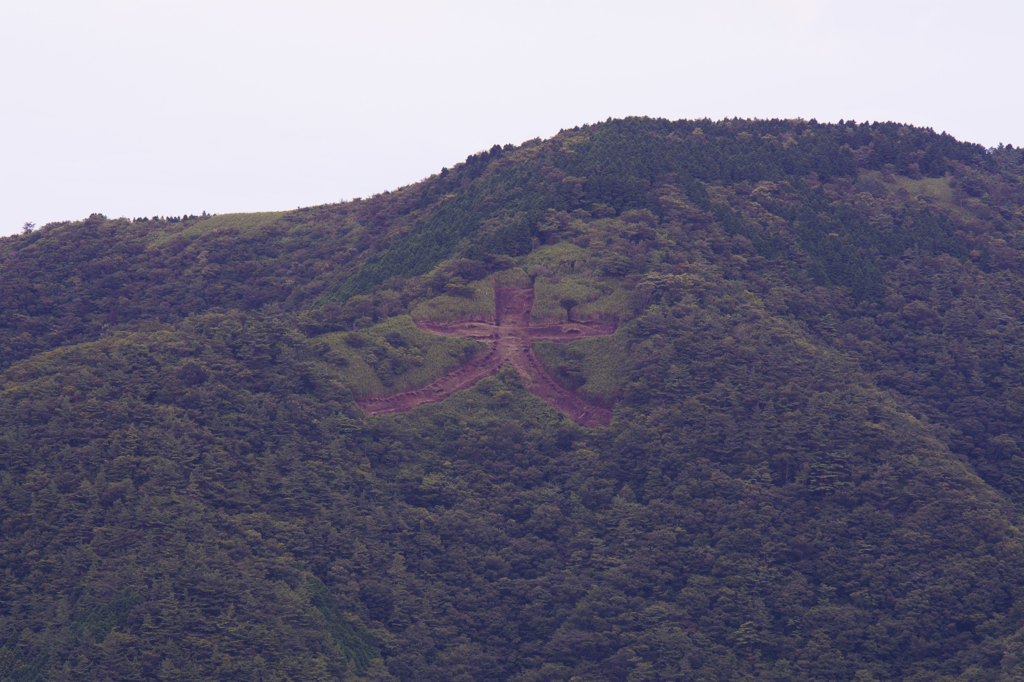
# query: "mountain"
648, 400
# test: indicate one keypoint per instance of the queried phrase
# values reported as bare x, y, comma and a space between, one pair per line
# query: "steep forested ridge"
813, 471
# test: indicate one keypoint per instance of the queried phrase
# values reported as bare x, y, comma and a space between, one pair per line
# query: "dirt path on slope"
510, 340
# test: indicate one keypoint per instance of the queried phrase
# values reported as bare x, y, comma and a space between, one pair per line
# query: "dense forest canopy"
813, 469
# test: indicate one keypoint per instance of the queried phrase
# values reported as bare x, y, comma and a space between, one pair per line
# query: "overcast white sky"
167, 107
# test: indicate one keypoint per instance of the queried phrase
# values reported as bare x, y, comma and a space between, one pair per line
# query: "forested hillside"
813, 468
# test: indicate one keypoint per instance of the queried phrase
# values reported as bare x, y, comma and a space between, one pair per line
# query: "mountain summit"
671, 400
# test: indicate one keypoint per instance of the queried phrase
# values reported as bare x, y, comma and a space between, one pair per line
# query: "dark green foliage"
430, 242
33, 671
815, 468
101, 619
355, 644
926, 232
766, 245
837, 257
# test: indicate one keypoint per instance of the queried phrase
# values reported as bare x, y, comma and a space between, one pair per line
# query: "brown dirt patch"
510, 340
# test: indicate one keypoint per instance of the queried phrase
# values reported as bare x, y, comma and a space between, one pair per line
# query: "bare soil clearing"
509, 337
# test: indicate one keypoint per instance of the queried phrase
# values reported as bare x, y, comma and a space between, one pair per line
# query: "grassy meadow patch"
238, 221
596, 367
578, 297
449, 308
394, 356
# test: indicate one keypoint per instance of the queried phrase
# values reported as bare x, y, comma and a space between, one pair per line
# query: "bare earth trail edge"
510, 340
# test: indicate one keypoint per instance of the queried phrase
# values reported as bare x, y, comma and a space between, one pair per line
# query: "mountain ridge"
812, 468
